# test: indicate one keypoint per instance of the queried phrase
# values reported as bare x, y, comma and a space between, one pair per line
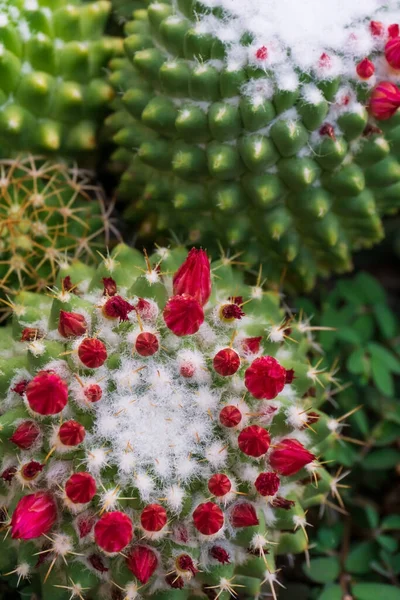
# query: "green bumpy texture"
206, 162
53, 92
18, 359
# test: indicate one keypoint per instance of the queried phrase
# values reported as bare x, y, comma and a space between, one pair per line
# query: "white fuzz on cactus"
159, 431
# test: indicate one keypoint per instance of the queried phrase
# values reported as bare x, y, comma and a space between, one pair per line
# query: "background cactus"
230, 142
166, 433
53, 92
49, 213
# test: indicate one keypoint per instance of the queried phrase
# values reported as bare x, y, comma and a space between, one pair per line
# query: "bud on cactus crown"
52, 88
273, 128
154, 469
48, 214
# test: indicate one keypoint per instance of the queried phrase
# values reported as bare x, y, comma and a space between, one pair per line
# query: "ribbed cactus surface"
49, 213
280, 159
164, 432
53, 92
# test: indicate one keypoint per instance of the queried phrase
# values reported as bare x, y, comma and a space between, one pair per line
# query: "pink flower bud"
146, 344
92, 353
25, 435
219, 485
208, 518
384, 100
80, 488
254, 441
47, 393
142, 562
392, 52
230, 416
365, 68
110, 287
33, 516
113, 531
394, 30
289, 456
194, 277
183, 315
377, 28
243, 515
93, 392
71, 324
153, 517
71, 433
265, 378
117, 308
262, 53
226, 362
267, 484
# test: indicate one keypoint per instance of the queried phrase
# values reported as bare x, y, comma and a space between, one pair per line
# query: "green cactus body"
53, 92
293, 168
114, 379
49, 213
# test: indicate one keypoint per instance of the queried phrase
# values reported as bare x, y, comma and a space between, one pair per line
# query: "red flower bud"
230, 416
384, 100
394, 30
183, 315
194, 277
110, 287
25, 435
174, 581
33, 516
220, 554
365, 68
29, 334
187, 370
20, 387
392, 52
243, 515
142, 562
262, 53
232, 311
85, 525
67, 285
144, 308
146, 344
325, 61
185, 565
113, 531
80, 488
226, 362
289, 456
71, 433
208, 518
251, 345
93, 392
117, 308
280, 502
254, 441
47, 393
289, 376
219, 485
71, 324
377, 28
97, 563
267, 484
153, 517
92, 353
8, 474
265, 378
328, 129
31, 470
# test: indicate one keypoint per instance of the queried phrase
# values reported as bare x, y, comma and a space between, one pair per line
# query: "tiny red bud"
34, 515
230, 416
93, 392
146, 344
113, 531
392, 52
394, 30
254, 441
194, 277
174, 581
183, 315
385, 100
219, 485
97, 563
231, 312
377, 28
328, 129
187, 370
280, 502
243, 515
153, 517
67, 285
208, 518
8, 474
220, 554
325, 61
262, 53
289, 376
80, 488
110, 287
185, 565
226, 362
289, 456
30, 334
117, 308
31, 470
144, 308
85, 525
71, 324
20, 387
71, 433
47, 393
365, 68
251, 345
142, 562
92, 352
267, 484
265, 378
25, 435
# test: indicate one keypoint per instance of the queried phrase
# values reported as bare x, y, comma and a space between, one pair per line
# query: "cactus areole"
150, 443
271, 126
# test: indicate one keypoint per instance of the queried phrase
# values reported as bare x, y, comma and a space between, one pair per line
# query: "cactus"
165, 432
251, 148
53, 92
49, 212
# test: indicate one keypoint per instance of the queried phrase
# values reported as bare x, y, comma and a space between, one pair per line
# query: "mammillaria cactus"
53, 91
161, 435
263, 125
49, 212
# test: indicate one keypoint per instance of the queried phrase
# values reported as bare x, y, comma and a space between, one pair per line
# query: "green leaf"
382, 377
364, 326
323, 570
329, 537
347, 334
387, 542
375, 591
386, 458
386, 356
385, 433
357, 362
391, 522
332, 592
359, 558
372, 516
386, 320
369, 288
